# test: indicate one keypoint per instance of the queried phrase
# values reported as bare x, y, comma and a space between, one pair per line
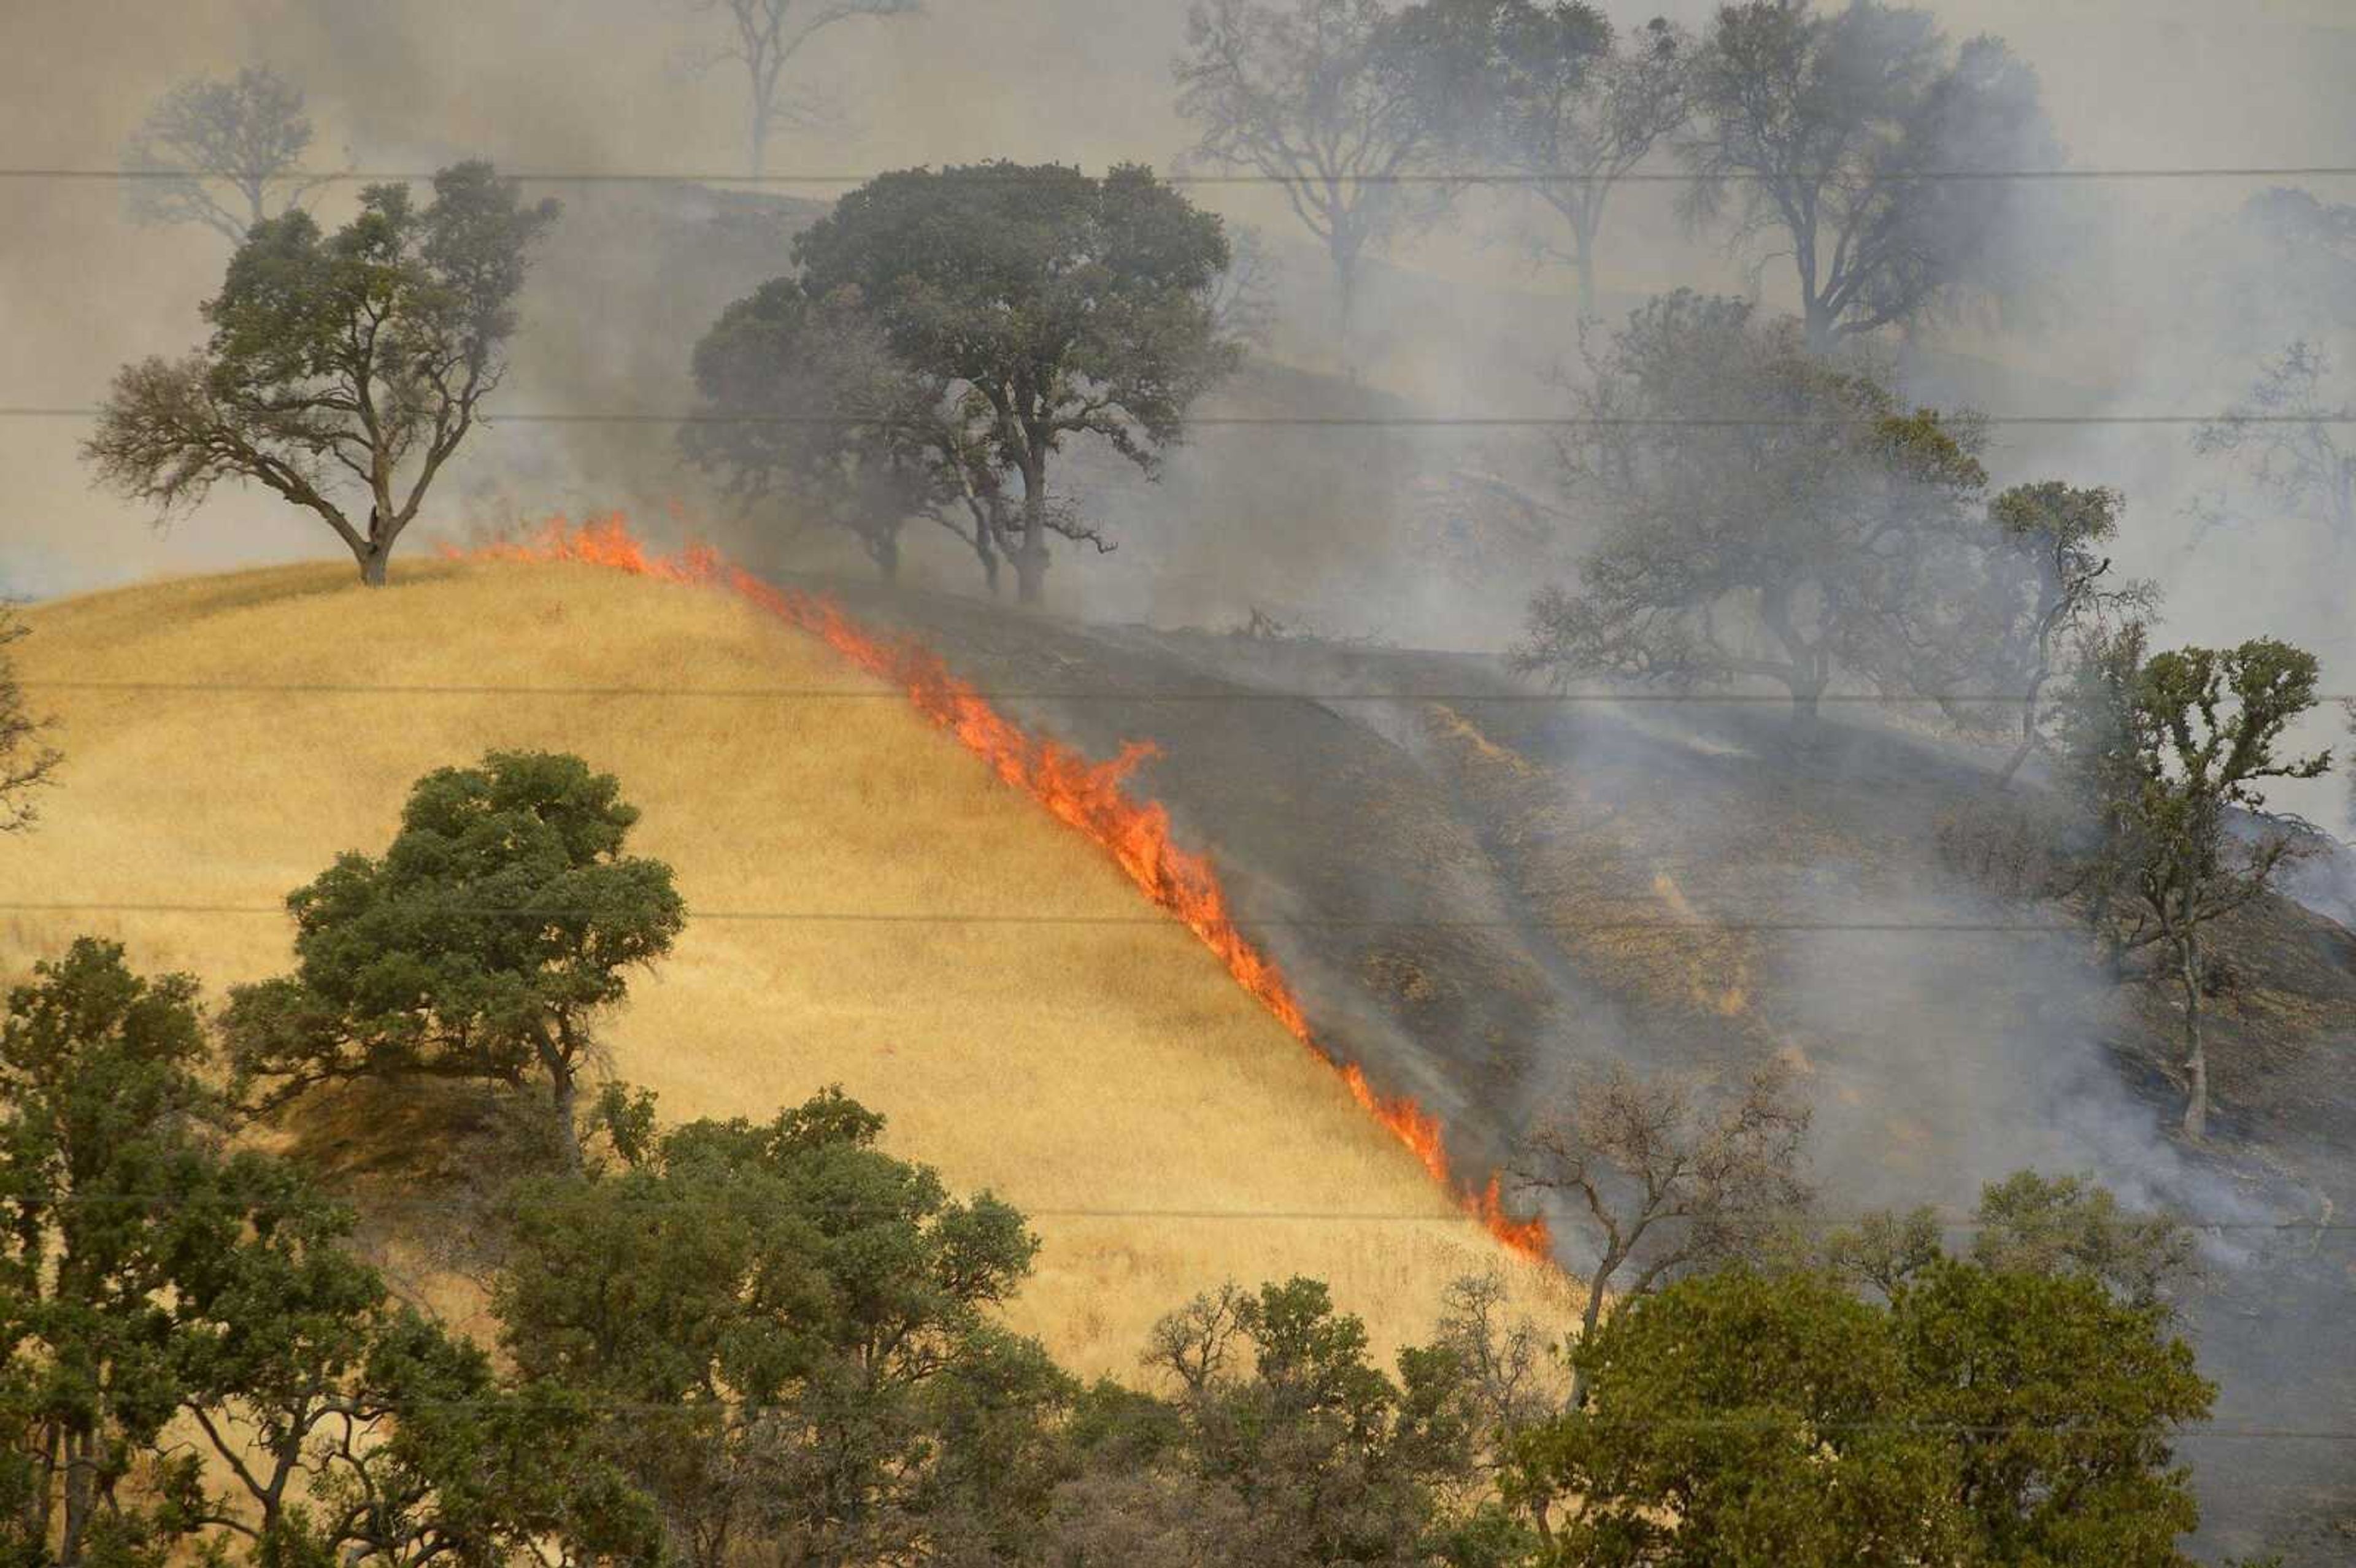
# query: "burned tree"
1666, 1182
503, 920
1767, 513
2162, 749
227, 155
1844, 134
1046, 304
356, 360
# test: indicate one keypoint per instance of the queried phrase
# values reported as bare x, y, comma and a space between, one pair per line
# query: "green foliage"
27, 762
351, 360
2159, 751
1981, 1416
156, 1287
785, 1327
1313, 1454
1044, 303
503, 918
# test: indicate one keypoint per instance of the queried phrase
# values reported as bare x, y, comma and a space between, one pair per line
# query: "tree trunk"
1590, 1318
1345, 278
565, 1092
1031, 559
885, 553
374, 561
2196, 1055
1583, 264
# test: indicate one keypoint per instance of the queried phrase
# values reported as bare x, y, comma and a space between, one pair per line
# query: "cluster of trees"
1839, 133
945, 336
772, 1338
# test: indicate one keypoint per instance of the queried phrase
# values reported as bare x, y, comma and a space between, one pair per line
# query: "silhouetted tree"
502, 920
1049, 305
225, 153
763, 39
358, 359
1556, 97
2287, 437
1843, 133
807, 412
2159, 748
1318, 97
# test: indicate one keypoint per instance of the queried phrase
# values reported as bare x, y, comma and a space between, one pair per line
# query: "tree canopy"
2160, 750
1327, 98
1765, 512
2008, 1416
192, 1361
1549, 90
783, 1323
27, 761
1838, 133
763, 40
502, 920
227, 153
356, 361
1041, 303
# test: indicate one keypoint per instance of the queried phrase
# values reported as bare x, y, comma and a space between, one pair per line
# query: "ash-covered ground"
1479, 888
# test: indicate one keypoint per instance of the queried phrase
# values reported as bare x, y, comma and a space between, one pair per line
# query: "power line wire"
1349, 421
1155, 918
1018, 174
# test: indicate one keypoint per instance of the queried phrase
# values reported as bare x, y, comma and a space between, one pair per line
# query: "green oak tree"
789, 1331
192, 1363
1980, 1415
500, 922
1046, 304
340, 365
2161, 749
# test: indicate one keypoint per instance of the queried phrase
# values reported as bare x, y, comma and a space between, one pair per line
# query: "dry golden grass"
1083, 1067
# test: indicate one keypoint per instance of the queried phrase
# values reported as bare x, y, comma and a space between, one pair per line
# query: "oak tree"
1045, 304
1766, 513
2160, 750
484, 944
1873, 154
227, 153
351, 364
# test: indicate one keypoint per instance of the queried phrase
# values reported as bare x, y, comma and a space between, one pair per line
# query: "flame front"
1087, 795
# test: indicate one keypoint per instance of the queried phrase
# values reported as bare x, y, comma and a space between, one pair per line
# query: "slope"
223, 745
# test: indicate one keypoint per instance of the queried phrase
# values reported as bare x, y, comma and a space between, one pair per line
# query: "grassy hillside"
1079, 1067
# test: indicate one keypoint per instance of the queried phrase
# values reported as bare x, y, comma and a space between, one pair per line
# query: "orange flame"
1086, 796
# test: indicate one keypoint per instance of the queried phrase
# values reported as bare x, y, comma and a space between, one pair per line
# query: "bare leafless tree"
763, 39
227, 155
1669, 1176
27, 762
